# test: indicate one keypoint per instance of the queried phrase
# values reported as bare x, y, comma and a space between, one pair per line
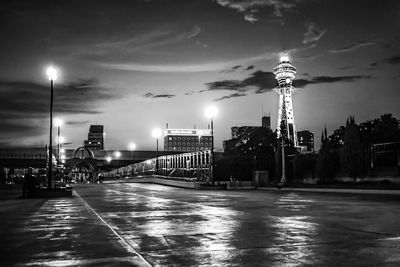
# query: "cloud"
262, 82
250, 17
251, 67
250, 7
345, 67
300, 83
151, 95
26, 99
193, 33
258, 80
236, 67
313, 33
230, 96
128, 46
24, 106
350, 48
182, 68
392, 60
77, 122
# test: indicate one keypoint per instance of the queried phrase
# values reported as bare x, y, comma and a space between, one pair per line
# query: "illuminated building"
187, 140
306, 139
284, 74
95, 139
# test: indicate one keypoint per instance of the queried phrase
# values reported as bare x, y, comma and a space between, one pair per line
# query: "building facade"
95, 139
306, 140
187, 140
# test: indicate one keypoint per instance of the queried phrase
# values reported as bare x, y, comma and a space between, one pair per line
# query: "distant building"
266, 122
306, 139
95, 139
187, 140
240, 133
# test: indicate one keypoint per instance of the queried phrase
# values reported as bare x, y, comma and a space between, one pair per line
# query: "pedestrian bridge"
195, 165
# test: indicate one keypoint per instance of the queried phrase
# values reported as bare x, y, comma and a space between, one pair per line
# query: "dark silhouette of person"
29, 183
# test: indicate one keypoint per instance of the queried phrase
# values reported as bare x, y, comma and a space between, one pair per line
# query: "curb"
334, 190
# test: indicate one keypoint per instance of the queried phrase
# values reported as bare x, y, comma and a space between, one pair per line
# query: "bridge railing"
192, 166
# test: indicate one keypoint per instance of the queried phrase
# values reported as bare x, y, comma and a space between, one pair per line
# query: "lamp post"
52, 74
156, 133
132, 147
117, 155
211, 112
58, 123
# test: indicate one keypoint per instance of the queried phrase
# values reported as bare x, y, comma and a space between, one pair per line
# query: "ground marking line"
127, 245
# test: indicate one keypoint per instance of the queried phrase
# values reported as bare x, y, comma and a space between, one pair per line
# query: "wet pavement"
145, 224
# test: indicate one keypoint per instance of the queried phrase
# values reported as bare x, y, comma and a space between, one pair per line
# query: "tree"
327, 161
352, 156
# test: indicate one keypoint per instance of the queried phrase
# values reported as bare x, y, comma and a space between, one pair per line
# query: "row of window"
187, 143
188, 148
193, 139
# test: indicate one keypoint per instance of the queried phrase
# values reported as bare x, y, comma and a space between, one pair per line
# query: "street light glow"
60, 140
132, 146
156, 133
51, 73
211, 112
58, 122
108, 159
117, 154
62, 150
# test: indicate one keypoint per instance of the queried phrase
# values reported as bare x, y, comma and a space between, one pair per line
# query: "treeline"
346, 152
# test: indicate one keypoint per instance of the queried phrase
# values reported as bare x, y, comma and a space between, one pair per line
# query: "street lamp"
52, 74
132, 147
108, 159
156, 133
211, 112
117, 155
58, 123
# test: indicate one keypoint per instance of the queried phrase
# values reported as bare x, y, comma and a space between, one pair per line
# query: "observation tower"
284, 73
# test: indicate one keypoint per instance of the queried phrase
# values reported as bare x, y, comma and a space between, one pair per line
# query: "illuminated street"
142, 224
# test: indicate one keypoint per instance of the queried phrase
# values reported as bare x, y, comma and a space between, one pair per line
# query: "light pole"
132, 147
211, 112
58, 123
117, 155
156, 133
52, 74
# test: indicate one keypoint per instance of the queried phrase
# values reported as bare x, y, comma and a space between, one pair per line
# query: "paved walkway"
145, 224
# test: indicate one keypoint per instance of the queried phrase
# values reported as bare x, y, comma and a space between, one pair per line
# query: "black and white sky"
135, 65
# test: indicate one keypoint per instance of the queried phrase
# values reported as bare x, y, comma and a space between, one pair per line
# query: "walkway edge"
334, 190
126, 243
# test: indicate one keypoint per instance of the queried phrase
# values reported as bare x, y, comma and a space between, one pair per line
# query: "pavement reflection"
136, 224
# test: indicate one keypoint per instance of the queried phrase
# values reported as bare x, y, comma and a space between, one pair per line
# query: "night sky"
136, 65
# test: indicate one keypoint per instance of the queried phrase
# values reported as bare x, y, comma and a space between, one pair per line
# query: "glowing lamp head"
284, 58
51, 73
108, 159
288, 81
117, 154
156, 133
61, 140
211, 112
132, 146
58, 122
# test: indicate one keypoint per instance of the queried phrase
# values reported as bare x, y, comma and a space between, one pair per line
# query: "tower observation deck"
284, 74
